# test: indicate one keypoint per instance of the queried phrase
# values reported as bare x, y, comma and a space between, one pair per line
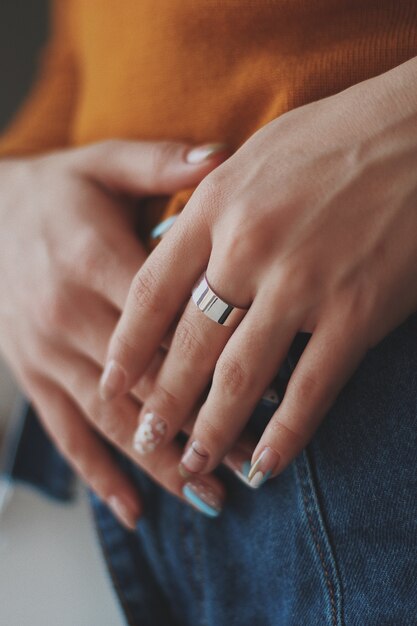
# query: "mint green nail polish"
246, 468
202, 497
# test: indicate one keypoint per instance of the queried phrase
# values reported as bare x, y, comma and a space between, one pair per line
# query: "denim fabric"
29, 456
332, 541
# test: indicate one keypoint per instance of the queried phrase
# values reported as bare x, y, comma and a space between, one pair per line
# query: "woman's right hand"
68, 254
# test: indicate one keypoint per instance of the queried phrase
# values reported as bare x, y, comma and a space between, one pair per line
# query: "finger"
116, 422
110, 271
75, 330
137, 168
148, 167
330, 358
238, 459
184, 375
86, 453
244, 369
85, 322
158, 291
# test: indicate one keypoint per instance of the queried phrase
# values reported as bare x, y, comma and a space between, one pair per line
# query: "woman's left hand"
312, 226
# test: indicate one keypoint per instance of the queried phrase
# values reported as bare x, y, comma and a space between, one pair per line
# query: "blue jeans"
332, 541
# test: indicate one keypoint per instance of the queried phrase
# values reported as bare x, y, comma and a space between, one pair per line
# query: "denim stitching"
320, 538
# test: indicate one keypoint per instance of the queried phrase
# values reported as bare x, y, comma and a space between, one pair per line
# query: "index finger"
160, 288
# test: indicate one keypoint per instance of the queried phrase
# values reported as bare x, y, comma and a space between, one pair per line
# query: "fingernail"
112, 381
240, 463
149, 433
263, 467
123, 511
195, 458
203, 497
202, 153
163, 227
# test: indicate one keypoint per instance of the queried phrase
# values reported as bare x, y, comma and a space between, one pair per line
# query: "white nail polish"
202, 153
149, 433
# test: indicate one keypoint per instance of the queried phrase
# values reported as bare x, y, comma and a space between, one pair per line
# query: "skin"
68, 254
312, 226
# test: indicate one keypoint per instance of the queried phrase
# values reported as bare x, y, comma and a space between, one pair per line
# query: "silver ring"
214, 307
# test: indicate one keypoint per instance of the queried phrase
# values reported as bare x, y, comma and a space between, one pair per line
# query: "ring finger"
185, 374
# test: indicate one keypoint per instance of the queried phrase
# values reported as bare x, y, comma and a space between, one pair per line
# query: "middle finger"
184, 375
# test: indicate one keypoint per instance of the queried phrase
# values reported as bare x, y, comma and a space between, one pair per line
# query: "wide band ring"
214, 307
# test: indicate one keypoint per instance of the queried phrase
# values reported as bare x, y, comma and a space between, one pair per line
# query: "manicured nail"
163, 227
263, 467
195, 458
149, 433
240, 463
202, 153
243, 472
112, 381
123, 511
202, 497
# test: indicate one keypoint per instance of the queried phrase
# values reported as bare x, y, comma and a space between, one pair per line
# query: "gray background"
51, 569
23, 28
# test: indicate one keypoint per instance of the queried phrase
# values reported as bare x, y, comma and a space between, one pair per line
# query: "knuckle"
144, 291
164, 401
241, 244
187, 341
53, 312
211, 194
299, 280
294, 438
232, 377
86, 261
210, 435
305, 389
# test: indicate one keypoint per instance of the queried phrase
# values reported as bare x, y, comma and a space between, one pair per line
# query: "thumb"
149, 167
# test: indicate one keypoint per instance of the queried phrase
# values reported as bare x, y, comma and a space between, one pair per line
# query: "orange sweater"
214, 70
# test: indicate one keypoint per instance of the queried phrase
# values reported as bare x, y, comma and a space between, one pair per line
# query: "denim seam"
320, 537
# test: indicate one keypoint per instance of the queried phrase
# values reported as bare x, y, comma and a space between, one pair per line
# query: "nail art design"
263, 467
149, 433
202, 497
258, 479
243, 472
162, 228
194, 459
238, 460
202, 153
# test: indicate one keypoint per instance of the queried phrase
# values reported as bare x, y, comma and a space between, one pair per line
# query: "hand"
311, 225
67, 256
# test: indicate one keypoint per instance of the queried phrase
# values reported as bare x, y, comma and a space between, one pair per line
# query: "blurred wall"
23, 28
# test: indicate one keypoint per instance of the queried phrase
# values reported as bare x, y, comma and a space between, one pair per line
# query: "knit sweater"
209, 71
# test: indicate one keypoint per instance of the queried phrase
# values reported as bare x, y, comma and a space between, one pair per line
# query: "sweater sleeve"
44, 120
